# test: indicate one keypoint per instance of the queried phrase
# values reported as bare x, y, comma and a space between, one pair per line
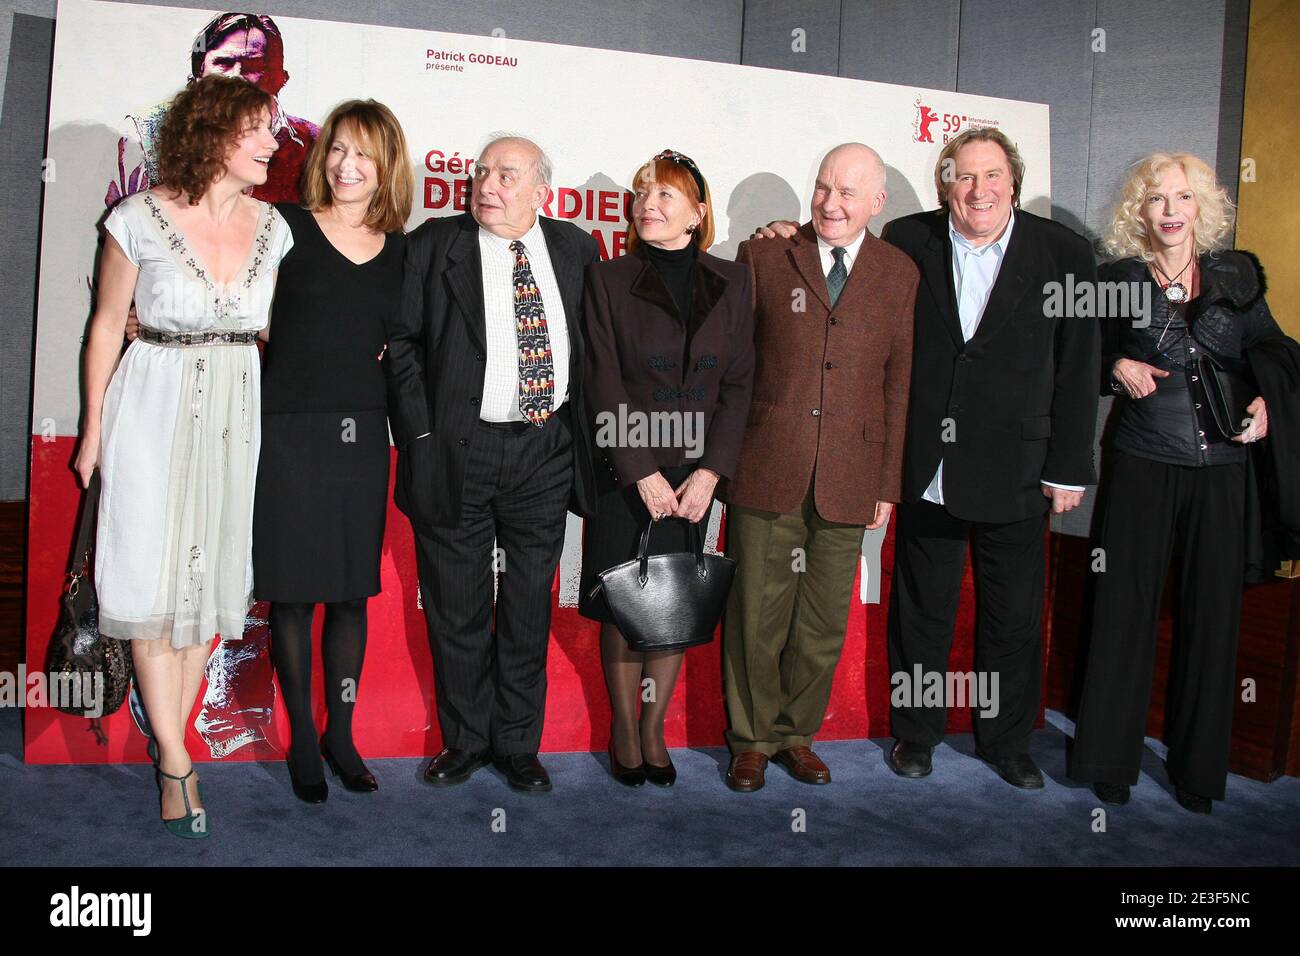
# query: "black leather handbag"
666, 602
1227, 393
77, 648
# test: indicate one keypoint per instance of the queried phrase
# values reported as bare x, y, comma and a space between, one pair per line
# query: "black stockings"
343, 647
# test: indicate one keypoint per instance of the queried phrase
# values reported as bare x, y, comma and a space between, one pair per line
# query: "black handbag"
77, 647
666, 602
1227, 393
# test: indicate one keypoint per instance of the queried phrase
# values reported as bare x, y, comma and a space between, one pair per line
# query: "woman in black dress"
670, 328
322, 482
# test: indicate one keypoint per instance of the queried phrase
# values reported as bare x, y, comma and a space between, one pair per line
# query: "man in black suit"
485, 379
1000, 427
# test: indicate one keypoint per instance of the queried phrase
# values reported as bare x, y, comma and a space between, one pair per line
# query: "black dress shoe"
524, 772
363, 782
628, 776
307, 792
910, 760
1018, 770
1192, 801
454, 766
661, 776
1113, 793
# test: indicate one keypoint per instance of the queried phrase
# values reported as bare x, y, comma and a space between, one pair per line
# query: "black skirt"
322, 498
614, 534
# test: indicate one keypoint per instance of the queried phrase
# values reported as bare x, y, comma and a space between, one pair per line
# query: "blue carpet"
961, 815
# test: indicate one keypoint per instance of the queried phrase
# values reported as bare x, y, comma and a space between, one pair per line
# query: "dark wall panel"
801, 35
912, 42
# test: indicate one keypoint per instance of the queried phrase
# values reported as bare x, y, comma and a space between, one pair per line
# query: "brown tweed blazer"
830, 385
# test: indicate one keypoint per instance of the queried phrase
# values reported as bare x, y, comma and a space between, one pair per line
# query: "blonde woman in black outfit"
322, 486
1176, 486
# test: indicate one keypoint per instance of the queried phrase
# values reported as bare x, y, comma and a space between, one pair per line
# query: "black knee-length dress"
322, 476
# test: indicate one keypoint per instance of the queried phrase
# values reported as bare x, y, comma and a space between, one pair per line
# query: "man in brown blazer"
821, 460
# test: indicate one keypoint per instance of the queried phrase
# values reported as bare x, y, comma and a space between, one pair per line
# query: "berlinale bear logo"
921, 128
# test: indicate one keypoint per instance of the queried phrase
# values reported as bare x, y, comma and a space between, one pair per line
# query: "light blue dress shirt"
974, 271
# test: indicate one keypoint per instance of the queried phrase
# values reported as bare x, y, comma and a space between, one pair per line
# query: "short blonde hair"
1127, 234
978, 134
376, 126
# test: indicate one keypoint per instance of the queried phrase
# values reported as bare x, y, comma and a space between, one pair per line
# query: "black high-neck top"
677, 268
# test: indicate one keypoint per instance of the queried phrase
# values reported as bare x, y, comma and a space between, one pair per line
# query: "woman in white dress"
174, 428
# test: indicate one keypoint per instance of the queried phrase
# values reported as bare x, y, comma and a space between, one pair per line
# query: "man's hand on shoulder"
777, 229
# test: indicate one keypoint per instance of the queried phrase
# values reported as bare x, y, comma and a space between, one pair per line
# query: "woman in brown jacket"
670, 368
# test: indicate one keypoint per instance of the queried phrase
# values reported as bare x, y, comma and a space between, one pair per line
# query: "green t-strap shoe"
192, 826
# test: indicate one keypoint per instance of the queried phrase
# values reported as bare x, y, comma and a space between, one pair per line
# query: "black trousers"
491, 682
1155, 512
1010, 563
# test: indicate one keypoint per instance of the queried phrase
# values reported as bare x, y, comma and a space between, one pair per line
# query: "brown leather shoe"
804, 765
746, 771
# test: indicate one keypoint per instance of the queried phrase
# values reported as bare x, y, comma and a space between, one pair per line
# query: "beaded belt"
191, 339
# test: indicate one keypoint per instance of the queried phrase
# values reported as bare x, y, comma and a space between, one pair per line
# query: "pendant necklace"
1175, 291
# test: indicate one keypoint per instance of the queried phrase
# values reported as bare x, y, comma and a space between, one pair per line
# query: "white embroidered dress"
180, 437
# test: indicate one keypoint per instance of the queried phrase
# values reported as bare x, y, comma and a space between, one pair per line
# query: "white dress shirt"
500, 401
850, 253
974, 271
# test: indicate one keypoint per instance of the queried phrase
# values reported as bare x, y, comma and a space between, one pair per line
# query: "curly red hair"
202, 124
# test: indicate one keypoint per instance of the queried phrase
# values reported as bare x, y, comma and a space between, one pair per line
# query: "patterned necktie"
838, 275
536, 369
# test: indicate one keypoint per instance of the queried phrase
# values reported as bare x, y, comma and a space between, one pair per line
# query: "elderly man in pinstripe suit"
485, 377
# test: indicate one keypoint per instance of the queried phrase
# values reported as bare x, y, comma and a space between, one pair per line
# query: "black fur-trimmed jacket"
1173, 424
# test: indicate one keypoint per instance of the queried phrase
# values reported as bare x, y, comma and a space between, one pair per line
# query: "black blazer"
636, 357
437, 358
1019, 401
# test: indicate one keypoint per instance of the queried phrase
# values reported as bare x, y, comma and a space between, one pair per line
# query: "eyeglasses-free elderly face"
507, 189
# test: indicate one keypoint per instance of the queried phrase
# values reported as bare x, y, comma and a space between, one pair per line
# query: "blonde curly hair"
1127, 234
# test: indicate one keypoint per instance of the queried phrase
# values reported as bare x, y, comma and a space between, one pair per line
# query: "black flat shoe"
1116, 794
1192, 801
307, 792
910, 760
1019, 770
524, 772
363, 782
454, 766
661, 776
628, 776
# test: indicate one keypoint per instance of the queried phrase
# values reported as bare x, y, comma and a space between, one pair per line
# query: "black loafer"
1018, 770
524, 772
1192, 801
1116, 794
910, 760
454, 766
